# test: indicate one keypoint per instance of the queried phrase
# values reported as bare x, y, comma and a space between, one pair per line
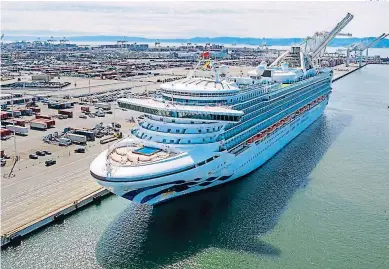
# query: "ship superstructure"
200, 132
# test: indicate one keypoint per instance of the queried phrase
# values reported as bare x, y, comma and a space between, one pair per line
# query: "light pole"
13, 123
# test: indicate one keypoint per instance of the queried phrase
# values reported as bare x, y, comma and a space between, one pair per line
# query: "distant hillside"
337, 42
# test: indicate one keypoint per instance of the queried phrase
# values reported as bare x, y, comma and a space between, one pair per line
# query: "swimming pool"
147, 151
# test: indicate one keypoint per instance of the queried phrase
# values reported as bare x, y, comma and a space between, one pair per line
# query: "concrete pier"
342, 70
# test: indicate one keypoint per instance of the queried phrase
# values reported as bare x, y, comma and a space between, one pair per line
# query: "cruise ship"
200, 132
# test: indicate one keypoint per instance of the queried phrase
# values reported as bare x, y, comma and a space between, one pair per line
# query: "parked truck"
79, 139
20, 130
67, 113
38, 125
64, 141
105, 106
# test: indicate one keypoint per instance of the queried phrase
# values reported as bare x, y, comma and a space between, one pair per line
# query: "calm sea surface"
322, 202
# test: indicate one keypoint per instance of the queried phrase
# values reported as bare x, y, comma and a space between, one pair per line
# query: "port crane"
51, 40
361, 47
122, 42
63, 41
313, 47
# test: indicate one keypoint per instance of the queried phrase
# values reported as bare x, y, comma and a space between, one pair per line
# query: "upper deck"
200, 87
168, 109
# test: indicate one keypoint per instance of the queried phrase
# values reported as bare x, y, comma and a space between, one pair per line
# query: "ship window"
199, 130
177, 131
188, 141
168, 130
164, 140
171, 141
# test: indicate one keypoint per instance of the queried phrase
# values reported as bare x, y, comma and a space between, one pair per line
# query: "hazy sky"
189, 19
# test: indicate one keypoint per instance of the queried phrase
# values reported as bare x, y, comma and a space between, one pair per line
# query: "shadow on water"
233, 216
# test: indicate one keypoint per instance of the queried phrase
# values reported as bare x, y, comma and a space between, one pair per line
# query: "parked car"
116, 125
47, 152
108, 112
80, 150
40, 153
33, 156
3, 162
50, 162
83, 116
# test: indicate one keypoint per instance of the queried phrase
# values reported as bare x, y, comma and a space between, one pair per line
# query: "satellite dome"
223, 69
260, 69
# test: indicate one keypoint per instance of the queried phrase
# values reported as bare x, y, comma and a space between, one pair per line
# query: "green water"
322, 202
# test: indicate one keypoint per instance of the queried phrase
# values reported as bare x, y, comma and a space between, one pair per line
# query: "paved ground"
36, 190
342, 69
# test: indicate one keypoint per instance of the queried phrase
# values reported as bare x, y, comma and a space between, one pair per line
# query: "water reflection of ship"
232, 216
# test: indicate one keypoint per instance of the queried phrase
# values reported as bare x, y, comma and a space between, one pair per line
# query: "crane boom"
372, 43
331, 35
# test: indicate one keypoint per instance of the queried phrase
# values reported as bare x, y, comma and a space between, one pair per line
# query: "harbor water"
322, 202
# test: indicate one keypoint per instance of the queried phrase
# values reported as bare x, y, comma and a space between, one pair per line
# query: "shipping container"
17, 129
66, 112
105, 106
50, 123
90, 136
81, 139
8, 122
36, 109
39, 116
15, 113
20, 122
38, 125
4, 132
26, 112
85, 108
4, 115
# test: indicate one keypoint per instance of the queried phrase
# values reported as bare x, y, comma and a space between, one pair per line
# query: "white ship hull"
225, 168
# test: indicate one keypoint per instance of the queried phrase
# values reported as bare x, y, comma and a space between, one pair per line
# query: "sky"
190, 19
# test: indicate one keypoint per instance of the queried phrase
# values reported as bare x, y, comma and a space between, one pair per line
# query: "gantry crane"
307, 56
51, 40
361, 47
63, 41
